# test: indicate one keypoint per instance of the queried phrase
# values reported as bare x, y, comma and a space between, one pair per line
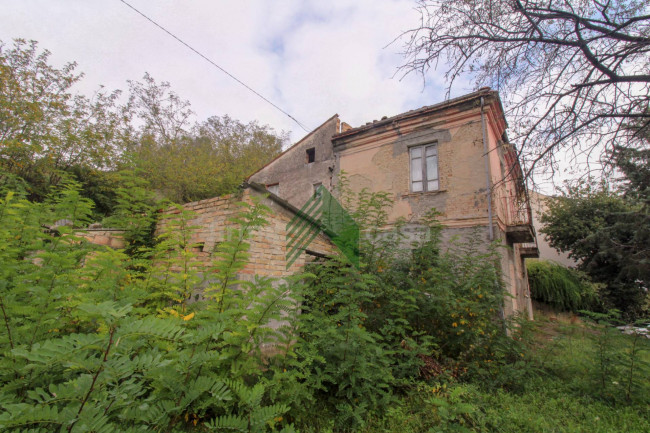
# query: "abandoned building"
212, 217
453, 156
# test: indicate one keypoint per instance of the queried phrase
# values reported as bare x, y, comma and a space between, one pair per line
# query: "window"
275, 188
424, 168
311, 155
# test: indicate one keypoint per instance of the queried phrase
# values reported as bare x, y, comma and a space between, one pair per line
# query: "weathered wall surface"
104, 236
376, 157
296, 177
546, 252
515, 278
268, 245
379, 160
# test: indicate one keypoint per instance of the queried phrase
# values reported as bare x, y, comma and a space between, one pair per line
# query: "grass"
577, 378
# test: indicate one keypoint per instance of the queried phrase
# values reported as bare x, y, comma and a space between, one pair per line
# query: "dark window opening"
311, 155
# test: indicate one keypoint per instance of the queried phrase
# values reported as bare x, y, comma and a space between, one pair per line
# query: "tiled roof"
484, 91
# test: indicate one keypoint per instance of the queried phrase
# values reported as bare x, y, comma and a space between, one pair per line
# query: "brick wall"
268, 245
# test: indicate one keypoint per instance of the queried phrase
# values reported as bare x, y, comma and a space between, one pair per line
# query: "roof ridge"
291, 147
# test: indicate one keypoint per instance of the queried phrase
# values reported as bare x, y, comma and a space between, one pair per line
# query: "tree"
608, 231
572, 73
164, 114
188, 162
243, 148
49, 134
45, 129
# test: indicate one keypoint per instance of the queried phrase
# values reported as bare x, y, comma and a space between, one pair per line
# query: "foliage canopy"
48, 132
608, 231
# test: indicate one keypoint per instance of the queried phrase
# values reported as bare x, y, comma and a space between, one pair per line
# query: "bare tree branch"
572, 74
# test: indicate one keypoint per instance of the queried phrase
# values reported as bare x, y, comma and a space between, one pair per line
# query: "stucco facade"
291, 173
538, 203
474, 178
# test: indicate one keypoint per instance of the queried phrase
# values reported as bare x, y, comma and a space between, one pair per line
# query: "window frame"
423, 165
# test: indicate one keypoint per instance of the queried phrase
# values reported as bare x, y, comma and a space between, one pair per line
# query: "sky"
311, 58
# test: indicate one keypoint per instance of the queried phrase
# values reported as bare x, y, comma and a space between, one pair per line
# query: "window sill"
423, 193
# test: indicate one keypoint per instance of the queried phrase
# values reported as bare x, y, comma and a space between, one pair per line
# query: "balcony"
517, 216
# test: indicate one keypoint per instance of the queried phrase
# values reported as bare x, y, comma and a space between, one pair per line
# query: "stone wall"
104, 236
268, 245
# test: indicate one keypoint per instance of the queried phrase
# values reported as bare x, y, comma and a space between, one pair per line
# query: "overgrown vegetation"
562, 288
48, 133
95, 339
605, 228
576, 378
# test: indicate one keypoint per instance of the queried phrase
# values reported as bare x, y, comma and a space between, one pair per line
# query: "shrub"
562, 288
95, 344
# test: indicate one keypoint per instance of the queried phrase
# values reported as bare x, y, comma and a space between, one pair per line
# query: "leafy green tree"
241, 148
48, 132
185, 162
91, 343
608, 231
561, 287
45, 129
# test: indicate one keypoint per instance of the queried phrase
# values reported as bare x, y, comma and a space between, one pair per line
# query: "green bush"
101, 340
560, 287
94, 343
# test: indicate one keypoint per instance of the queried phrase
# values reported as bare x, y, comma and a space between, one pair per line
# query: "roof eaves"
484, 91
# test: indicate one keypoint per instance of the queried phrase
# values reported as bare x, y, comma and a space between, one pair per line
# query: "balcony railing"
529, 250
515, 211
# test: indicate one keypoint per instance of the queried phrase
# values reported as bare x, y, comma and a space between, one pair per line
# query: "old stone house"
453, 156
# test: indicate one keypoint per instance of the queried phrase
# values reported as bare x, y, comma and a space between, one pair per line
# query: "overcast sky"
311, 58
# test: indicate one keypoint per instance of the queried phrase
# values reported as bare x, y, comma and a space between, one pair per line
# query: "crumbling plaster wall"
380, 162
376, 157
296, 177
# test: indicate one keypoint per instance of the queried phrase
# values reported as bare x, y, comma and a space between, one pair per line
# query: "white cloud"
312, 58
